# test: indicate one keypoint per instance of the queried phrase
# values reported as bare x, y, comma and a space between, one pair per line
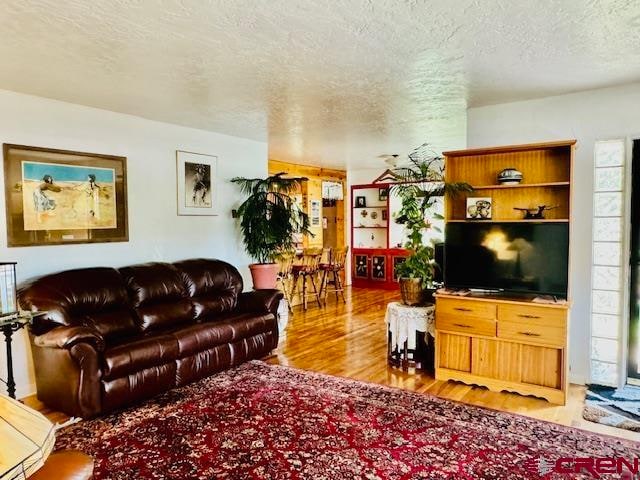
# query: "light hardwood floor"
349, 340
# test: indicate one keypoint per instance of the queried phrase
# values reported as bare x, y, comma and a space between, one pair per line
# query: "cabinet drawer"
466, 308
532, 315
465, 324
531, 333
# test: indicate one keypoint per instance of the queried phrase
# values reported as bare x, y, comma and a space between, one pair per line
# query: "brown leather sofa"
111, 338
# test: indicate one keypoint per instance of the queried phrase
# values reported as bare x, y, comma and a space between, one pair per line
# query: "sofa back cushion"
158, 295
213, 286
93, 297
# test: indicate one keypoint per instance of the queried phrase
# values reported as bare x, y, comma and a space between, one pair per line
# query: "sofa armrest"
67, 337
260, 301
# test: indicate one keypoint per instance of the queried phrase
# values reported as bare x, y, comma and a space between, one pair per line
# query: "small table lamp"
26, 437
8, 302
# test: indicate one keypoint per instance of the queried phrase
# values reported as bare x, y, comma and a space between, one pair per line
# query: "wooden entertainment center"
500, 341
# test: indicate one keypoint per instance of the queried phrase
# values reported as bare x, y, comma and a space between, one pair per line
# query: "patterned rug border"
395, 391
265, 420
565, 428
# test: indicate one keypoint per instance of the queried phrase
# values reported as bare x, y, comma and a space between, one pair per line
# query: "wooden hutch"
376, 242
498, 341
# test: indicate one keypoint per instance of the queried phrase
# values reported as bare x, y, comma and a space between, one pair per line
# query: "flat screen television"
511, 257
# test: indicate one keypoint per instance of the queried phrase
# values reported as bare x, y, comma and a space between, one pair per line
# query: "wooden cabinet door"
454, 352
378, 264
361, 264
495, 359
542, 366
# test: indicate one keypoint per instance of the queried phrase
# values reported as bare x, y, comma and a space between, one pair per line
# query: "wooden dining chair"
285, 269
307, 268
333, 269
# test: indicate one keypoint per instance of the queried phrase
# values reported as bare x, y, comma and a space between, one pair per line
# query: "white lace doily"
404, 321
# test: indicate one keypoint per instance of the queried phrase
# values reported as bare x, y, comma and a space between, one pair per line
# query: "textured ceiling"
331, 82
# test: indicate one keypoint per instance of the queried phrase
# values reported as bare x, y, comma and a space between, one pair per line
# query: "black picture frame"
383, 194
361, 202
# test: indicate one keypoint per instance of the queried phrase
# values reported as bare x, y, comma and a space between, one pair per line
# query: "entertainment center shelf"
521, 185
520, 220
508, 342
546, 170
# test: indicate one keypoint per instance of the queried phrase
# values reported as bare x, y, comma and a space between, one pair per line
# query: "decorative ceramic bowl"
510, 175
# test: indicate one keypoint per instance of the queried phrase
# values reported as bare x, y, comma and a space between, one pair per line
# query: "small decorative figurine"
509, 175
536, 213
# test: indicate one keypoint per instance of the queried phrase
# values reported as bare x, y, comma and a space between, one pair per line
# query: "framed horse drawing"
197, 191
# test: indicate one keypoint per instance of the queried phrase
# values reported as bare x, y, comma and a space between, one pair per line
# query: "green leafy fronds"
421, 182
269, 217
419, 265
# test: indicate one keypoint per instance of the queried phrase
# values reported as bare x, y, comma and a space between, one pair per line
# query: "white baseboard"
23, 391
578, 379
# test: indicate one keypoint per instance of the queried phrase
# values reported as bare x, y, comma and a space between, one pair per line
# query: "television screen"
513, 257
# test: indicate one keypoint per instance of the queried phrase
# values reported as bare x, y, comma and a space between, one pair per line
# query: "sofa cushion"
213, 285
137, 386
231, 328
158, 295
135, 355
112, 324
93, 297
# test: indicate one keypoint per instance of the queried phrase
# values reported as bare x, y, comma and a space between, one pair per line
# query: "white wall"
588, 117
156, 233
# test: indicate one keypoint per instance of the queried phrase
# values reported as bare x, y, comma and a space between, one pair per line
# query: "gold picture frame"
55, 197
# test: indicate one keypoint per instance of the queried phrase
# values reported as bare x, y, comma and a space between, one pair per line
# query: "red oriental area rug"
260, 421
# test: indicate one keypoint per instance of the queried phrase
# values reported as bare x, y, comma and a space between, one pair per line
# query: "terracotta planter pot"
264, 275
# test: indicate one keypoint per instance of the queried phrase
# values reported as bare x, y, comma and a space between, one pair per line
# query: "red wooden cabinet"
375, 242
375, 267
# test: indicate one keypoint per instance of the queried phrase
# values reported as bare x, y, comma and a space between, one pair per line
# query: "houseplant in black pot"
269, 218
420, 183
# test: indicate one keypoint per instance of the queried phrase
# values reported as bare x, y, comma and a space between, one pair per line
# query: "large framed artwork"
197, 190
57, 197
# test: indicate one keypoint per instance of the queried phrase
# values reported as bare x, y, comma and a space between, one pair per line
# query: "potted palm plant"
269, 217
421, 182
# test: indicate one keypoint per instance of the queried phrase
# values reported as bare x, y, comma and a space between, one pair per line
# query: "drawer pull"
528, 316
462, 325
529, 334
462, 309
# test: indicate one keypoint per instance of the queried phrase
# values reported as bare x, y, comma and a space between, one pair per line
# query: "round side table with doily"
410, 337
